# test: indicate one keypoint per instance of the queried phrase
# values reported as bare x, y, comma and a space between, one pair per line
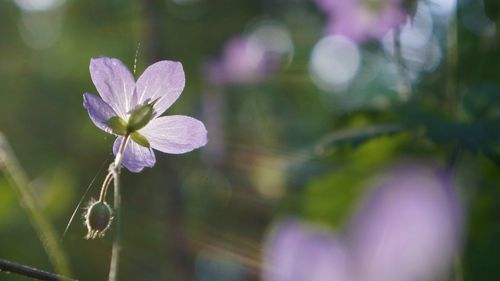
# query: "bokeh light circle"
335, 61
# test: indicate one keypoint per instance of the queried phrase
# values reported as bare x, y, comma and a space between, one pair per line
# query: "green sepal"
140, 139
117, 125
140, 116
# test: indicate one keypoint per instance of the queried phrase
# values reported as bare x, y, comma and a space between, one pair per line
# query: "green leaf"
118, 125
140, 139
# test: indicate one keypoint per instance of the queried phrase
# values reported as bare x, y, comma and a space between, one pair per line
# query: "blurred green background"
284, 144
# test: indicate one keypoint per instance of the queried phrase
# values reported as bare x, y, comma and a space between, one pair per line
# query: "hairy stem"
114, 170
19, 181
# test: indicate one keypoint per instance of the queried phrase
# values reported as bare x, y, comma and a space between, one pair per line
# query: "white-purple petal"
114, 82
164, 81
175, 134
135, 156
99, 111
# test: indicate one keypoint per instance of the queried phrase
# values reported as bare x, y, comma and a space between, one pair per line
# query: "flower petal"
135, 157
163, 80
99, 111
175, 134
114, 82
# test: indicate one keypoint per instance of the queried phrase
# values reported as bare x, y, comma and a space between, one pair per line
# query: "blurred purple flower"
361, 20
297, 252
243, 61
120, 95
407, 229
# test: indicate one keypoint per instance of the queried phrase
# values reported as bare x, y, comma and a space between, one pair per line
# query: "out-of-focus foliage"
306, 137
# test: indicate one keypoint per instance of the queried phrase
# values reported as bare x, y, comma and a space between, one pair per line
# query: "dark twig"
31, 272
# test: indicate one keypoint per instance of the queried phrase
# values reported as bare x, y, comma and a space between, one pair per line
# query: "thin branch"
34, 273
19, 181
452, 94
403, 72
334, 139
350, 135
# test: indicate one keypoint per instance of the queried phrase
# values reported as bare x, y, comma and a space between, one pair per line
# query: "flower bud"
140, 116
98, 219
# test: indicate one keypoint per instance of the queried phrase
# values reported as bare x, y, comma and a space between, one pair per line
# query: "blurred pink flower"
361, 20
243, 61
296, 252
407, 229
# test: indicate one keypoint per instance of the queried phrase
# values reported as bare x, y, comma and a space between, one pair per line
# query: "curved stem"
115, 165
104, 188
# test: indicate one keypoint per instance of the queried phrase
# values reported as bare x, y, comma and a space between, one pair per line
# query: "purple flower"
154, 92
361, 20
408, 228
295, 252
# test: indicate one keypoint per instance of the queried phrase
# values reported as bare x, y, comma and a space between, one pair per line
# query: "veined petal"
164, 81
135, 157
175, 134
99, 111
114, 82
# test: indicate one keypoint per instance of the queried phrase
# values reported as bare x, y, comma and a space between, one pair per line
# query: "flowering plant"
130, 109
